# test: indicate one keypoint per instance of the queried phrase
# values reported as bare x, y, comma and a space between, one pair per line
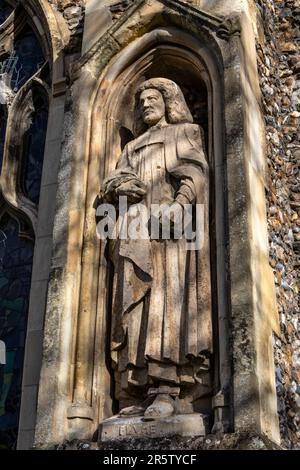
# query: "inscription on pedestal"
124, 428
132, 430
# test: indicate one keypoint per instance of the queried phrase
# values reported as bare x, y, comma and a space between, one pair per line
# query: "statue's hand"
134, 190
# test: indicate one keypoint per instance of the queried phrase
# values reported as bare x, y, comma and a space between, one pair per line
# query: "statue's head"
160, 98
152, 105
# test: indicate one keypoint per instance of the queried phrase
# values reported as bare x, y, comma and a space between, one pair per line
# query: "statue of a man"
161, 305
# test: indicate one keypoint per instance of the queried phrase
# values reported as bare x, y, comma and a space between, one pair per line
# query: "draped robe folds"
161, 310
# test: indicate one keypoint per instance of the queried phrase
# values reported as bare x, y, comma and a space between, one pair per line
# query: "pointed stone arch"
52, 32
18, 123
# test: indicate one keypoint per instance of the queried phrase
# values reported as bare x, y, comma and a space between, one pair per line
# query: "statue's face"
152, 106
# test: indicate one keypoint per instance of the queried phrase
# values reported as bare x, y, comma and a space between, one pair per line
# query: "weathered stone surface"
97, 21
73, 13
127, 428
6, 94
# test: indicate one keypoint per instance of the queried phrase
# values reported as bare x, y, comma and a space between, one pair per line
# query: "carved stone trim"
119, 7
207, 19
230, 27
59, 87
197, 16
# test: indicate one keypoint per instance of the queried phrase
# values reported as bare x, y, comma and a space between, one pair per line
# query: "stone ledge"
232, 441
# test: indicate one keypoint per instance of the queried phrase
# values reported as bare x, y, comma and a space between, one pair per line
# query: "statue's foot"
162, 407
132, 411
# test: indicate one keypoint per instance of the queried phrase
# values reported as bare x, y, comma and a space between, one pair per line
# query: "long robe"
161, 312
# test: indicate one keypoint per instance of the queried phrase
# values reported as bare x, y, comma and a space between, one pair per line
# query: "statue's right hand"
133, 190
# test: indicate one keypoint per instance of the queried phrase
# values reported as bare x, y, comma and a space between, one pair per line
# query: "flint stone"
115, 428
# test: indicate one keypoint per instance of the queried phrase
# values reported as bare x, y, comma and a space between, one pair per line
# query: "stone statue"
161, 307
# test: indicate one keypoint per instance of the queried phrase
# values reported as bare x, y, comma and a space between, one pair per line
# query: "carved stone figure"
161, 295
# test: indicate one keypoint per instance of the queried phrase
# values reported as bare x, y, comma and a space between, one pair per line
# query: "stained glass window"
16, 252
33, 148
5, 11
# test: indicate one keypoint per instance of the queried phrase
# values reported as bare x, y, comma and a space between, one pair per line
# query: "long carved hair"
177, 110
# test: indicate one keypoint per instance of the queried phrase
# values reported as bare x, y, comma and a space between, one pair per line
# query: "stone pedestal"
118, 428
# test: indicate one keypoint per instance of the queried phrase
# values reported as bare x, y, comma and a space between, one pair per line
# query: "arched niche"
169, 53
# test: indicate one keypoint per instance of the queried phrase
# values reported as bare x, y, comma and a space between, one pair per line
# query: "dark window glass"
24, 61
33, 148
16, 254
5, 11
3, 120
